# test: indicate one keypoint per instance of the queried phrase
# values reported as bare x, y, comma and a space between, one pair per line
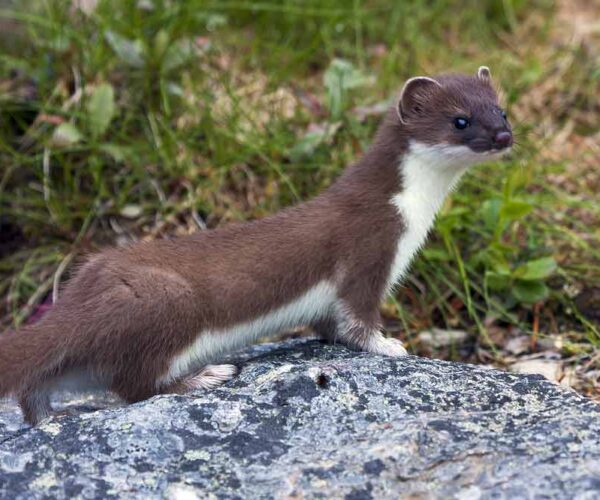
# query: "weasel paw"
211, 376
386, 347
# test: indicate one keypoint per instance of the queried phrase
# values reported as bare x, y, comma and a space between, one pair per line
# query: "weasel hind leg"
35, 404
209, 377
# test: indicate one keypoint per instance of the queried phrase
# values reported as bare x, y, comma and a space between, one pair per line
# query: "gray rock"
315, 421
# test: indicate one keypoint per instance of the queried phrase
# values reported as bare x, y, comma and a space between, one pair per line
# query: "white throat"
428, 173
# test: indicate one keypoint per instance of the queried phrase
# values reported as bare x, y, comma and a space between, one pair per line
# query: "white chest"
427, 177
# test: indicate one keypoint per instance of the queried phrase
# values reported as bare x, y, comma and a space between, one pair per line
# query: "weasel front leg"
386, 346
356, 322
358, 335
365, 335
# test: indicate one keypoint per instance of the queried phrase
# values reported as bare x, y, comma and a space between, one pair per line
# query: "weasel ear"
416, 92
483, 73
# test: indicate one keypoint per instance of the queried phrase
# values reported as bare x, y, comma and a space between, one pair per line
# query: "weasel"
153, 317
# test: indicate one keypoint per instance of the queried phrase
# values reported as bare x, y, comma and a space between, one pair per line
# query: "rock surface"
309, 420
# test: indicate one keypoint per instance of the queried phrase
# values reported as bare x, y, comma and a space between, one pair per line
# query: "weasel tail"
31, 357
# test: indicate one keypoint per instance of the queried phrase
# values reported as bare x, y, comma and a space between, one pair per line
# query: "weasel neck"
376, 173
428, 174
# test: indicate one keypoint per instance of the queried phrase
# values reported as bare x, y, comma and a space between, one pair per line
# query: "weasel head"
458, 116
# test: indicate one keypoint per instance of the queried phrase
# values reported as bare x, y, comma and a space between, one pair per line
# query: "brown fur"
127, 312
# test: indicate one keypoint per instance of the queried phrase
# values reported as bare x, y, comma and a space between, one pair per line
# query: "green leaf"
341, 76
66, 134
177, 54
319, 134
432, 253
538, 269
530, 292
491, 212
514, 210
101, 109
161, 42
496, 281
453, 218
174, 89
118, 153
500, 266
130, 52
306, 146
503, 248
58, 43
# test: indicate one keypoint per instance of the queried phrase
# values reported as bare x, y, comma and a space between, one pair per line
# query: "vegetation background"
123, 120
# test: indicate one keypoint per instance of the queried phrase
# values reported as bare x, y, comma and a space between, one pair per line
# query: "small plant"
99, 112
517, 276
503, 268
339, 79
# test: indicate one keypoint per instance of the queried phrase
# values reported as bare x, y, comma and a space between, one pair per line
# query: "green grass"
154, 118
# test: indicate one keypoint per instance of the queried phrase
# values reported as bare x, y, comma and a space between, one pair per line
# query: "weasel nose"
503, 139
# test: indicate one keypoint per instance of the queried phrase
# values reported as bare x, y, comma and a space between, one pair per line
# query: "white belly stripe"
210, 344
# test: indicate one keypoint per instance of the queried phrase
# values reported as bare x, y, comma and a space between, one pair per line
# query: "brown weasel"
150, 318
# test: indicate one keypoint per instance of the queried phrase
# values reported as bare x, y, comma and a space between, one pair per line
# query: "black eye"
461, 123
503, 113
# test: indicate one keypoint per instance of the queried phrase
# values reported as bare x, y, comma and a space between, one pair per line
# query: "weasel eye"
461, 123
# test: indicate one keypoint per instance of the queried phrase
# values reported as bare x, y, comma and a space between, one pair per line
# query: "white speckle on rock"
14, 462
227, 416
470, 493
52, 428
182, 492
192, 455
273, 374
45, 481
